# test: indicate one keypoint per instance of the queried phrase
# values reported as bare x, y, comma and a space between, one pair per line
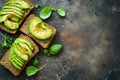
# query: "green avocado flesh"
5, 17
23, 3
15, 19
11, 25
39, 29
12, 7
12, 12
20, 53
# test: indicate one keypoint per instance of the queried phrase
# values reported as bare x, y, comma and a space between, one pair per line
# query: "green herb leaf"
35, 62
31, 70
45, 51
55, 48
7, 43
36, 6
61, 12
46, 12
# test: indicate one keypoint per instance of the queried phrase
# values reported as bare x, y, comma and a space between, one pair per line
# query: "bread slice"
5, 59
43, 43
20, 22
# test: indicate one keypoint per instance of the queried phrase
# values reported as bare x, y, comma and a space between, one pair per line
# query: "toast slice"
5, 59
20, 22
43, 43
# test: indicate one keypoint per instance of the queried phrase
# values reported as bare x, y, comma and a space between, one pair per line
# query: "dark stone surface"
90, 34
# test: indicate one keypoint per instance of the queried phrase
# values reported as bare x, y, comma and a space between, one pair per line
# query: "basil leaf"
7, 43
36, 6
46, 12
61, 12
35, 62
55, 48
45, 51
31, 70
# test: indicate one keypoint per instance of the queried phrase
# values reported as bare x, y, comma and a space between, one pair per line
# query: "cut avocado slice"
20, 52
39, 29
23, 3
12, 7
19, 40
16, 60
26, 47
5, 17
15, 19
11, 25
17, 13
2, 12
14, 64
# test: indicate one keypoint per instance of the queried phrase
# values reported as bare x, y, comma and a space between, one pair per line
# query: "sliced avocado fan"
23, 3
39, 29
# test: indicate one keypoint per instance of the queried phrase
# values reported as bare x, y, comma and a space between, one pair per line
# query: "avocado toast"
14, 62
13, 13
43, 36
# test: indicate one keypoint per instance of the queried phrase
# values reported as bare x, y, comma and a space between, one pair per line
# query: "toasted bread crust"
43, 43
20, 22
5, 59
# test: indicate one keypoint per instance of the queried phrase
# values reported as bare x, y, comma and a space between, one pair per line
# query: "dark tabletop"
90, 35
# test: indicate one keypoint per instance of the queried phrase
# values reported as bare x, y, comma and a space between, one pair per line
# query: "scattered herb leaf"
31, 70
45, 12
61, 12
36, 6
35, 62
7, 43
45, 51
53, 49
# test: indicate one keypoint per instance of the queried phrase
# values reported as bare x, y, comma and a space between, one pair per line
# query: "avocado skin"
39, 29
11, 25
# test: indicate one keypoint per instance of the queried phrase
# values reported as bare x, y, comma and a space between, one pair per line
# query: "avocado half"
39, 29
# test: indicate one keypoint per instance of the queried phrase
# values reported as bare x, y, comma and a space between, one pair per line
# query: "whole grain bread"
5, 59
43, 43
27, 11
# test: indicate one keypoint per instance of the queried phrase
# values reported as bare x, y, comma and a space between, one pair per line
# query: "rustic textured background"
90, 34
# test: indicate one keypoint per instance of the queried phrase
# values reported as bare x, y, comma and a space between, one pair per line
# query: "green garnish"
36, 6
31, 70
61, 12
53, 50
7, 43
35, 62
46, 12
